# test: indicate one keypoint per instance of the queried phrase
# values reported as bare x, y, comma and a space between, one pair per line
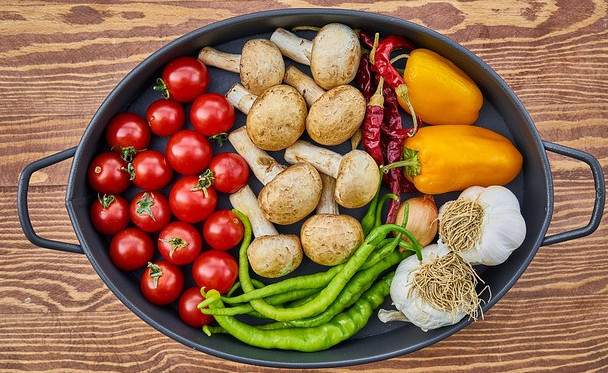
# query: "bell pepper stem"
410, 163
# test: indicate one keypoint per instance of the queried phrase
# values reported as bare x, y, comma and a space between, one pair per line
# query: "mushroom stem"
292, 46
327, 203
245, 201
223, 60
304, 84
240, 98
324, 160
263, 166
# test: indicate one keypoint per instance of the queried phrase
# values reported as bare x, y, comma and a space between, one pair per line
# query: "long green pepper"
358, 284
335, 286
322, 337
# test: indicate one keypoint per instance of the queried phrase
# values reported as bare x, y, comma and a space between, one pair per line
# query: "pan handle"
600, 194
24, 216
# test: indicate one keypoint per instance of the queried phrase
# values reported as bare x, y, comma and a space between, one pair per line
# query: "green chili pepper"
315, 280
358, 284
378, 217
340, 328
331, 291
246, 308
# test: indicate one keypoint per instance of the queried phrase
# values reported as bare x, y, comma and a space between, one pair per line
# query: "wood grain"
60, 59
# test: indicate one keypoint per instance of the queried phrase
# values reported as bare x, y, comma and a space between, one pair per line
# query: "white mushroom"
270, 254
289, 194
333, 55
356, 173
260, 64
334, 116
275, 119
327, 237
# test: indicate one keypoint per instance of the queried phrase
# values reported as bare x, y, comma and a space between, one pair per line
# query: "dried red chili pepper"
382, 62
365, 83
371, 126
393, 137
366, 39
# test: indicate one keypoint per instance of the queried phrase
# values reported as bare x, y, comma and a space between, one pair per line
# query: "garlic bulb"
484, 225
439, 291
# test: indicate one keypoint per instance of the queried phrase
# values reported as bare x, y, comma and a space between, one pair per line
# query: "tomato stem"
155, 272
161, 86
205, 180
126, 152
176, 243
145, 205
106, 200
130, 170
219, 138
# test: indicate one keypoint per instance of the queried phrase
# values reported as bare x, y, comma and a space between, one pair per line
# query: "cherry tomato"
223, 230
190, 201
184, 79
151, 170
212, 114
165, 117
162, 282
179, 243
230, 172
110, 214
188, 310
128, 133
131, 249
215, 269
108, 174
189, 152
150, 211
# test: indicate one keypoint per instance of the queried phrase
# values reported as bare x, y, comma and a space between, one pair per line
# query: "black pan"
501, 112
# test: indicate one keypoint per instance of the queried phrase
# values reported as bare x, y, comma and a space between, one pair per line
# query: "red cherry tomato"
190, 202
179, 243
131, 249
188, 310
223, 230
150, 211
110, 214
189, 152
108, 174
215, 269
230, 172
128, 133
212, 114
184, 79
151, 170
162, 282
165, 117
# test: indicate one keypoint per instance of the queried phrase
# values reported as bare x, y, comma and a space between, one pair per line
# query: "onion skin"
422, 218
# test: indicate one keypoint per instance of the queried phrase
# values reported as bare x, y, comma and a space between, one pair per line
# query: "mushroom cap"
335, 55
275, 256
330, 239
336, 115
358, 179
277, 118
262, 65
291, 195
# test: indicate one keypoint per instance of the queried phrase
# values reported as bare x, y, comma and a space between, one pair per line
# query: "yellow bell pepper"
439, 91
441, 159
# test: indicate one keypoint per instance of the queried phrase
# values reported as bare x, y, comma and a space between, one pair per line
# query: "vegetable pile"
413, 134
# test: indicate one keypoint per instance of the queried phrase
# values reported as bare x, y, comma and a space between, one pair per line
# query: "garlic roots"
484, 225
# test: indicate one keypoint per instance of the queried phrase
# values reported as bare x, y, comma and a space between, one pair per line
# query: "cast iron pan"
501, 112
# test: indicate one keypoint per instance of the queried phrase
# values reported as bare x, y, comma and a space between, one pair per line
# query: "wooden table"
60, 59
